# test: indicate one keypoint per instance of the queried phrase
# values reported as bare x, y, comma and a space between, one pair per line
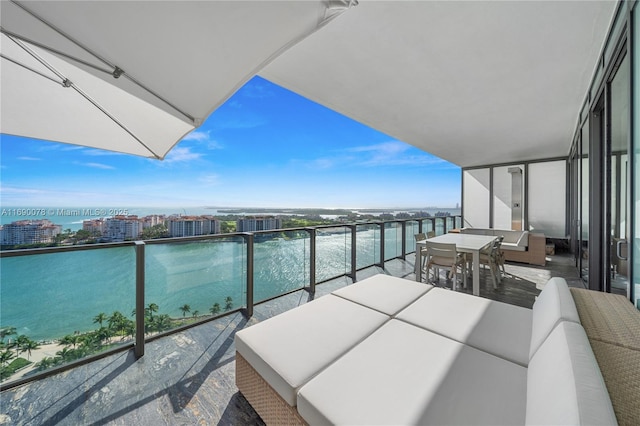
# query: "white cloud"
323, 163
256, 90
197, 135
202, 137
95, 165
209, 180
29, 158
393, 153
247, 122
18, 191
94, 152
181, 154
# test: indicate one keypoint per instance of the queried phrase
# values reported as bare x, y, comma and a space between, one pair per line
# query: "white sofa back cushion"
564, 383
554, 304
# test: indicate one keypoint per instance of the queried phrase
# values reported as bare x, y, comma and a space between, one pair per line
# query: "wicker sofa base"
263, 398
535, 253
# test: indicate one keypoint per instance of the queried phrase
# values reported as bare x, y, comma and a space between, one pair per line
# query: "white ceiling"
474, 83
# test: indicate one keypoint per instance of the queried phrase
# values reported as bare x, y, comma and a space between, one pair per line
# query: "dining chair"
445, 256
421, 236
493, 258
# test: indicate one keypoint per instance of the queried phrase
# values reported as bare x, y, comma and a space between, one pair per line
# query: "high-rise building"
95, 226
120, 228
191, 226
29, 232
258, 223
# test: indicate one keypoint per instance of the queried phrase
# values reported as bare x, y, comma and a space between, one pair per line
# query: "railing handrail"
132, 243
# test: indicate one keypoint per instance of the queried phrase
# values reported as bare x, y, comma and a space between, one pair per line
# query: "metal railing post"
403, 254
140, 329
381, 264
353, 252
312, 259
444, 225
249, 238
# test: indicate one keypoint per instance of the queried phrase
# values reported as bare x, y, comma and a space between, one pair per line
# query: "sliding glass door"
618, 188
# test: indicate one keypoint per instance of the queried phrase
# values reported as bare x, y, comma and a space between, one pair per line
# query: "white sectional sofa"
517, 246
392, 351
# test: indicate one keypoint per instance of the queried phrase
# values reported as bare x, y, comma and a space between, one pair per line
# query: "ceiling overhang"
474, 83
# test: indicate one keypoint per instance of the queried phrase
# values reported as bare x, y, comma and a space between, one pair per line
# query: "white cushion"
290, 348
403, 375
510, 237
384, 293
523, 241
497, 328
554, 304
512, 246
564, 383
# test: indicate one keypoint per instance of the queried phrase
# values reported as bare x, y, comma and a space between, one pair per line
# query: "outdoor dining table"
465, 243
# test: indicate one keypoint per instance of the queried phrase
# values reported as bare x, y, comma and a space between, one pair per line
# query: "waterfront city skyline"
265, 147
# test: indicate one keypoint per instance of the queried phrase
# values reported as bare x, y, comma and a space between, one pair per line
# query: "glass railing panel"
60, 307
367, 245
427, 225
281, 263
392, 240
411, 230
439, 225
451, 223
186, 282
333, 252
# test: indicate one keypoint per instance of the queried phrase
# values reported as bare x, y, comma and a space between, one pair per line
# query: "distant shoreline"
62, 215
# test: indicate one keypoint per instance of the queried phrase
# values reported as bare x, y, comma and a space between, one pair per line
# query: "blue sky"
265, 147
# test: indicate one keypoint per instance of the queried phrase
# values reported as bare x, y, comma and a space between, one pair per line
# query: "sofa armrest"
537, 249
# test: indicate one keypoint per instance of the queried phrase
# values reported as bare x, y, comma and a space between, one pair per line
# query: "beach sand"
37, 355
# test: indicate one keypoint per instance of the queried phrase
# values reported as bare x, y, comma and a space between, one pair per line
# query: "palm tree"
162, 322
117, 322
151, 309
195, 313
6, 356
185, 308
29, 346
19, 343
7, 331
70, 339
66, 353
228, 303
215, 309
103, 334
46, 363
100, 318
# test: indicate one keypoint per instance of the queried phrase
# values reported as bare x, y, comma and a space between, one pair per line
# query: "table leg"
418, 266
